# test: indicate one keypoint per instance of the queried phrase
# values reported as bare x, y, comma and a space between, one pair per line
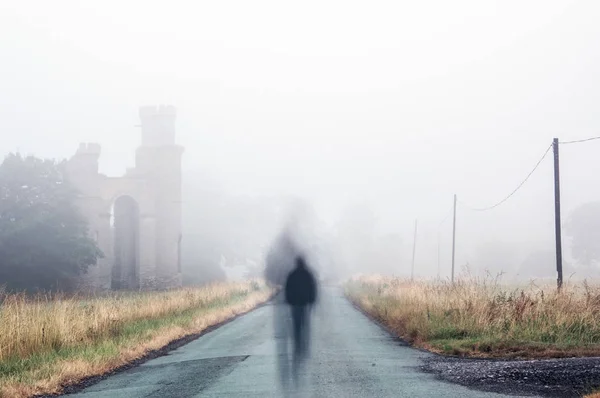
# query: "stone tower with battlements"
136, 218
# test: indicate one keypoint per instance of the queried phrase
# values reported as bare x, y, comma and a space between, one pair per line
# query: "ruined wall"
154, 185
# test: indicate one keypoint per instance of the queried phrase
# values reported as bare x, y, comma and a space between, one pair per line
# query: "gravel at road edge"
571, 377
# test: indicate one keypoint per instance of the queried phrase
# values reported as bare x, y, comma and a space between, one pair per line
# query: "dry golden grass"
49, 342
480, 317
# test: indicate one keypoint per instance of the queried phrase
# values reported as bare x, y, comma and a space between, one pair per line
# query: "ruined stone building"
136, 218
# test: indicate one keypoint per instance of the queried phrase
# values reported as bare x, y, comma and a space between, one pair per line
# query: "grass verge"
50, 342
479, 317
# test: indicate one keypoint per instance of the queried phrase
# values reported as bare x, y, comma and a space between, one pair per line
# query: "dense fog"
340, 123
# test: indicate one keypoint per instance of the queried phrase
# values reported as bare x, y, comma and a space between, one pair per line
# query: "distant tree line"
44, 241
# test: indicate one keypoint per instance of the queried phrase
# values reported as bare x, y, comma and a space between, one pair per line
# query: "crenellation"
89, 148
154, 110
158, 125
168, 110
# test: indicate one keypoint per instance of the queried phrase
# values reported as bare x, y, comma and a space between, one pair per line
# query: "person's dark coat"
300, 287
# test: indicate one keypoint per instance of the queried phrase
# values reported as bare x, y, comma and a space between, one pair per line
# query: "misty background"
371, 114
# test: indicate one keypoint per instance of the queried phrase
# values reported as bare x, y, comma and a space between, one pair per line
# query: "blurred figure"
300, 295
286, 268
280, 262
280, 259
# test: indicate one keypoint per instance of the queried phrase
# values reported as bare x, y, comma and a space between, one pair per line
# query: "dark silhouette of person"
300, 295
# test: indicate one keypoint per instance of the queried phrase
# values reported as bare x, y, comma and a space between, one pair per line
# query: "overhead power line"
578, 141
445, 218
515, 190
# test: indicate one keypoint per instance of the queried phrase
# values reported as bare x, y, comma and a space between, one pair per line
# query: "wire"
445, 218
514, 191
578, 141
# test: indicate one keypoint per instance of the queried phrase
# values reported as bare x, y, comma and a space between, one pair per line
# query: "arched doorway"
126, 225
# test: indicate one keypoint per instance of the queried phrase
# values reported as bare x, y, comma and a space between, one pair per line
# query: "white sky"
398, 103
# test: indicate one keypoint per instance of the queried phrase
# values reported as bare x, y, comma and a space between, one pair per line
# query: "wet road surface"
350, 357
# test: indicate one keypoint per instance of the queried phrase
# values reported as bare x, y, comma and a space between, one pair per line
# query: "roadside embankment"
482, 318
49, 342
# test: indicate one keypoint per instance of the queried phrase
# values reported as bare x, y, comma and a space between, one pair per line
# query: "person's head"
300, 263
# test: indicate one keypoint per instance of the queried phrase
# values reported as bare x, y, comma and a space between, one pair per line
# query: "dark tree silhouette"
44, 242
583, 227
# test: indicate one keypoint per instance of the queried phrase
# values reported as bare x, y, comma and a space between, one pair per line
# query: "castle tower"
158, 125
158, 161
84, 164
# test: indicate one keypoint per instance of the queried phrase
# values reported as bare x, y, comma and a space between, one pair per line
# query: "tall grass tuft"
482, 317
50, 340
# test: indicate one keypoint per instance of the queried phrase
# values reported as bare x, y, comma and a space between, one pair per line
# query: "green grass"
481, 317
127, 335
131, 325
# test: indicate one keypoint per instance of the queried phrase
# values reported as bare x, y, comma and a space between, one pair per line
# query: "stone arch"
125, 226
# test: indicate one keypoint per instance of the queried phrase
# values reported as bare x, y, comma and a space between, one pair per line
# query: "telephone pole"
453, 238
412, 268
438, 259
557, 225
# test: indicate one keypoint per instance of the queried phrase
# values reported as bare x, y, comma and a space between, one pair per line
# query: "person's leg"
297, 333
297, 324
306, 331
282, 335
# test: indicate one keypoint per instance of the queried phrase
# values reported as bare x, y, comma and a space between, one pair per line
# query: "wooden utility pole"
557, 225
412, 268
453, 238
438, 269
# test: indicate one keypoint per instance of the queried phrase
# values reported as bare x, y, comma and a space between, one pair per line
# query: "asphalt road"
350, 357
